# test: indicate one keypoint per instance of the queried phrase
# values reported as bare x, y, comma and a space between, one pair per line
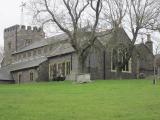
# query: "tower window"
28, 42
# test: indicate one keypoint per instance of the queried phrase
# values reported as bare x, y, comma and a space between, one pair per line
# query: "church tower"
18, 37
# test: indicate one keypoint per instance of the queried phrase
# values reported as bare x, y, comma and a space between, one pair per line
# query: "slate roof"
34, 45
44, 42
107, 36
63, 48
5, 74
59, 37
27, 64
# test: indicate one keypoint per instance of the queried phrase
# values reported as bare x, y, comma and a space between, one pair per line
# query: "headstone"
83, 78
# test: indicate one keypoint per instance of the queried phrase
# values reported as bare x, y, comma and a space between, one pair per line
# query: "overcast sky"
10, 14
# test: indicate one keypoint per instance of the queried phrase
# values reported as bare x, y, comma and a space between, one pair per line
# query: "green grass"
100, 100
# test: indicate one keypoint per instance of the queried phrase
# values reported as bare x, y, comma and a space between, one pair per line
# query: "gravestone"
83, 78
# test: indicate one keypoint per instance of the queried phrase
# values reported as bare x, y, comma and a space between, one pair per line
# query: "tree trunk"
81, 76
80, 64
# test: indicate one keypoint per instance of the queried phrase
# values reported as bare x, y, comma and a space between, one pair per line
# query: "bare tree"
80, 19
156, 59
143, 15
70, 17
135, 15
114, 12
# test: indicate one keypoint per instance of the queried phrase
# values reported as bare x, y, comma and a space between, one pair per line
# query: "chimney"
142, 42
149, 37
149, 43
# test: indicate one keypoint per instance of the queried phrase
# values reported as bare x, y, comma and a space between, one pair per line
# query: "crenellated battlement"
19, 36
12, 28
23, 27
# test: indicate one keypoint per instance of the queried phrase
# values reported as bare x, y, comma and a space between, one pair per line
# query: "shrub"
141, 75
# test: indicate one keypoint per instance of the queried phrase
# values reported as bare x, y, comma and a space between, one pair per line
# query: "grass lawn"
100, 100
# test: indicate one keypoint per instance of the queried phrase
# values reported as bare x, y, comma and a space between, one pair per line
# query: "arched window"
113, 59
68, 68
54, 69
120, 56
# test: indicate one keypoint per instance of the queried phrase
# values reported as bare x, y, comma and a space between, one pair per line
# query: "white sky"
10, 14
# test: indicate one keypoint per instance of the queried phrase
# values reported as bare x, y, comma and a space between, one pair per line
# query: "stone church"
30, 57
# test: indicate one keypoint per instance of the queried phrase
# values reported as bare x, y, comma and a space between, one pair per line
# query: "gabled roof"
109, 37
5, 71
27, 64
139, 46
62, 49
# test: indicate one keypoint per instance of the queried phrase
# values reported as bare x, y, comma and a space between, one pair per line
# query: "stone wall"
28, 33
40, 73
72, 58
94, 64
143, 60
15, 38
25, 75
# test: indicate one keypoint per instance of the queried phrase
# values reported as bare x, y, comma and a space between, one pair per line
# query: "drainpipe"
104, 64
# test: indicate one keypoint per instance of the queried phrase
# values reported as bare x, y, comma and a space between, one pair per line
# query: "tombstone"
83, 78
